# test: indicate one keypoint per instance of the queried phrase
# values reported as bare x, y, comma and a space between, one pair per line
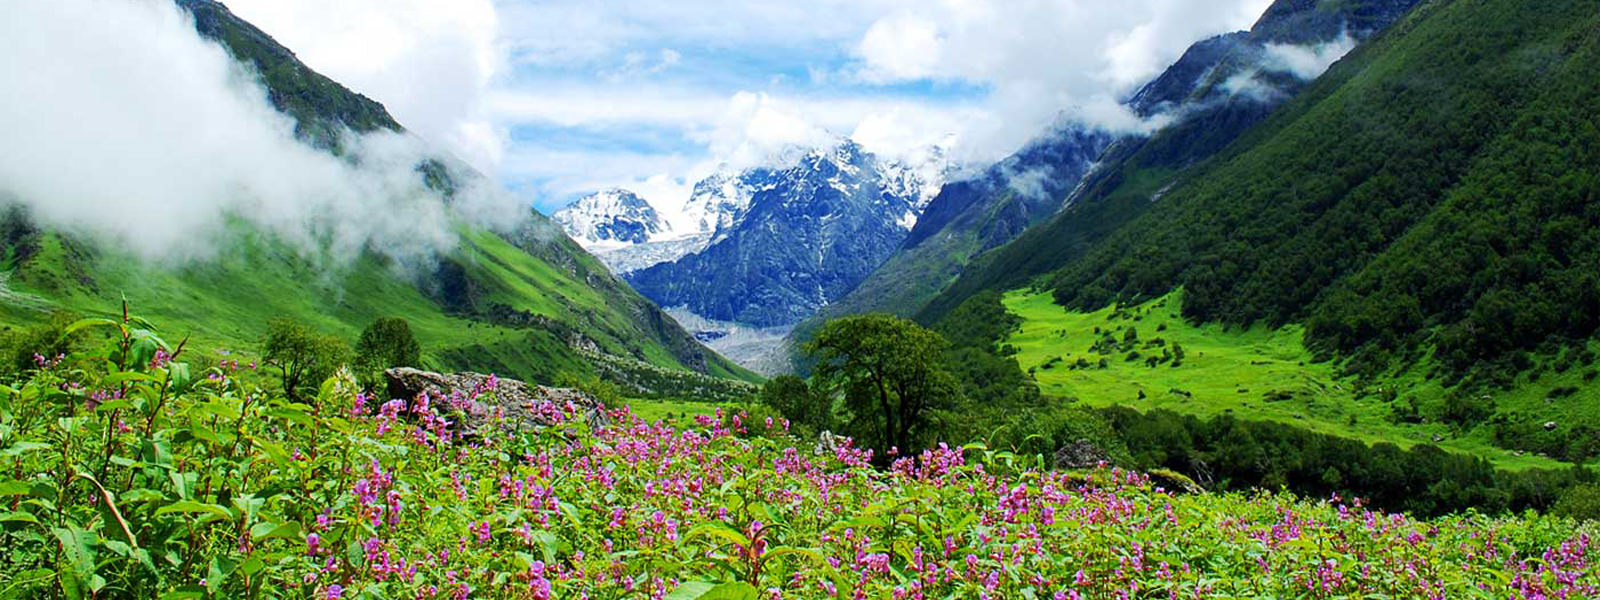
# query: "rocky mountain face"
611, 217
801, 236
322, 108
972, 216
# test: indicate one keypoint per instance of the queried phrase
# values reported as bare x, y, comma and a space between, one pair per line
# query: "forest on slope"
1426, 210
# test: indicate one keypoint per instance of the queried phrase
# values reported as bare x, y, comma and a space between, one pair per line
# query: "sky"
557, 98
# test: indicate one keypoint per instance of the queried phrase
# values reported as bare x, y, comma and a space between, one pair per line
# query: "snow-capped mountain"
611, 219
717, 202
800, 236
630, 233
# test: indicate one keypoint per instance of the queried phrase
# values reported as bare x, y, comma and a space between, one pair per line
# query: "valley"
1255, 373
457, 299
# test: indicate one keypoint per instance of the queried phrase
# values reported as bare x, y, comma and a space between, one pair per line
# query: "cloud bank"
579, 95
122, 123
430, 62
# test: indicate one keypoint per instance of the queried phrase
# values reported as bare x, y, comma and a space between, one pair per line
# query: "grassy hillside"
1259, 373
522, 317
198, 488
1424, 213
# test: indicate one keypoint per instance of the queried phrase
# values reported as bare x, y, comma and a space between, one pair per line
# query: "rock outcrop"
1081, 454
474, 400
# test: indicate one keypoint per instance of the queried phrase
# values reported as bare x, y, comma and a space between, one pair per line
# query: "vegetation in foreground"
129, 474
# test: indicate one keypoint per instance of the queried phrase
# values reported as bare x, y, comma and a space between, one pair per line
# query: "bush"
1580, 502
303, 357
20, 348
385, 344
807, 410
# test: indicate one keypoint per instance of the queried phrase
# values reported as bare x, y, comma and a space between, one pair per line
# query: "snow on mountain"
630, 233
611, 219
802, 234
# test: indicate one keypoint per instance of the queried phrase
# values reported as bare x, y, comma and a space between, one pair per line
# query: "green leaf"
18, 517
265, 531
184, 593
21, 448
77, 557
810, 553
731, 591
691, 590
140, 353
251, 566
121, 377
298, 417
15, 488
179, 376
192, 507
83, 324
548, 542
218, 572
718, 529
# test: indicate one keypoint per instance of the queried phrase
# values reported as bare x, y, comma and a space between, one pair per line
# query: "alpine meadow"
890, 300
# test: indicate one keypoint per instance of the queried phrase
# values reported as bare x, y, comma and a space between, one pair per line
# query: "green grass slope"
1257, 373
1425, 212
526, 317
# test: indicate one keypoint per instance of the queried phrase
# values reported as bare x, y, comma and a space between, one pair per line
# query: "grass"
677, 413
1257, 373
224, 301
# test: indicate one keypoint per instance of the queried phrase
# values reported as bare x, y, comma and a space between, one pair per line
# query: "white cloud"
1042, 58
1308, 62
122, 123
607, 66
429, 61
901, 47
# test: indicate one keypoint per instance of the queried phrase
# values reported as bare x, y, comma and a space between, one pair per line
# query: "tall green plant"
891, 374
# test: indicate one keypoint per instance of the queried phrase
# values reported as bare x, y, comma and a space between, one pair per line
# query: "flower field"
125, 473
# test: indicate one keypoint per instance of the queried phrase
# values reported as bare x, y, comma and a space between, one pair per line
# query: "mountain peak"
609, 218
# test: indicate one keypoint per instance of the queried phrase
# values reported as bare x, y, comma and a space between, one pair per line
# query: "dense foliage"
129, 475
303, 357
891, 376
1226, 453
385, 344
1377, 221
808, 409
1431, 195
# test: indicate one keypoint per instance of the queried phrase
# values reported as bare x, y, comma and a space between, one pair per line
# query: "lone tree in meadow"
798, 402
891, 373
385, 344
303, 357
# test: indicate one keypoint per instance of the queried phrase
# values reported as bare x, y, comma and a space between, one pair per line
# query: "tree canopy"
890, 373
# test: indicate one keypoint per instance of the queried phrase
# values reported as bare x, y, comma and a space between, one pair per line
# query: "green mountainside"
528, 303
1425, 212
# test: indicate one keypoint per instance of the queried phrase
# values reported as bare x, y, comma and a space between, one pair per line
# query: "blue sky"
556, 98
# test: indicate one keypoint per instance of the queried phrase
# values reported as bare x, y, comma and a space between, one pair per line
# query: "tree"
891, 373
1580, 502
385, 344
304, 358
796, 400
20, 346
